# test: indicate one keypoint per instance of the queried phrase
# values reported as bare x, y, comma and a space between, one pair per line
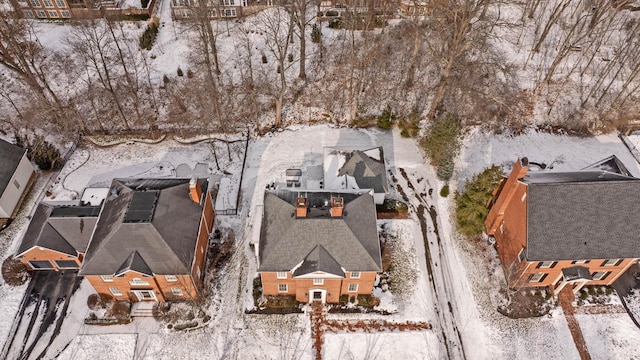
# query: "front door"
145, 295
318, 296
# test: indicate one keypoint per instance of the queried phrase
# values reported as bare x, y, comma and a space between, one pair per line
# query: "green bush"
442, 144
409, 124
386, 119
471, 203
444, 192
149, 37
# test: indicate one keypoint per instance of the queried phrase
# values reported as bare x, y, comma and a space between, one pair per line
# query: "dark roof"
65, 229
610, 164
368, 172
576, 273
583, 220
318, 240
10, 156
164, 245
582, 176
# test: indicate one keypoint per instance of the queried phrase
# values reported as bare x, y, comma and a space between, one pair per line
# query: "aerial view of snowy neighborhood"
320, 179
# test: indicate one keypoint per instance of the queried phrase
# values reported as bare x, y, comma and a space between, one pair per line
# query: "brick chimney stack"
301, 207
337, 203
195, 190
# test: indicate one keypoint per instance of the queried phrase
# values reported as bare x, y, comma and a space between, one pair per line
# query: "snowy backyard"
457, 297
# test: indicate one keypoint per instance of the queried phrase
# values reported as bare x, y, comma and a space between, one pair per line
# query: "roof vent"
337, 203
301, 207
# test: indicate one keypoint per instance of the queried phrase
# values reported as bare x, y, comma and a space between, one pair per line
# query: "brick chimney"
337, 203
301, 207
195, 190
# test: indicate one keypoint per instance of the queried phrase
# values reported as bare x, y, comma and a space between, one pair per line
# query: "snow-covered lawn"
484, 333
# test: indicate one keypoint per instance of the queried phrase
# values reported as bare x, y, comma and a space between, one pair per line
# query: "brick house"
348, 168
218, 9
82, 9
57, 237
150, 240
16, 172
555, 229
318, 246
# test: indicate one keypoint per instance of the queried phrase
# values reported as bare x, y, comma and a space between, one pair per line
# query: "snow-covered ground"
470, 299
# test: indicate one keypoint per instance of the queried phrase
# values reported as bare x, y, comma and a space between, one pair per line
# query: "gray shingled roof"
67, 231
576, 273
10, 156
319, 259
351, 240
610, 164
165, 245
595, 219
368, 172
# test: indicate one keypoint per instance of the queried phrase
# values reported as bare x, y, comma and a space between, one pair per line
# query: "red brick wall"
554, 275
301, 287
42, 254
206, 227
159, 284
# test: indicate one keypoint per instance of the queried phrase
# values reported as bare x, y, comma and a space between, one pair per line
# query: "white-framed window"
41, 14
65, 13
115, 291
35, 3
53, 14
521, 254
281, 274
353, 288
243, 2
47, 3
612, 262
318, 281
229, 12
283, 288
538, 277
171, 278
176, 291
138, 281
201, 249
355, 274
228, 2
580, 261
106, 278
27, 14
61, 3
16, 184
600, 275
546, 264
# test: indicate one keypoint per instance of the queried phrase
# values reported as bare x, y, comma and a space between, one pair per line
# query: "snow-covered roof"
355, 168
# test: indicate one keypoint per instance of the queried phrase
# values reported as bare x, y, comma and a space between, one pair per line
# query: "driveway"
44, 305
627, 281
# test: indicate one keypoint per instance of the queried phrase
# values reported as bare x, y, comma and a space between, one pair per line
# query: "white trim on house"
319, 274
321, 292
10, 197
145, 295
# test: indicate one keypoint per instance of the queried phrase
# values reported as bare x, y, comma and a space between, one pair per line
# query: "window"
229, 12
53, 14
600, 275
44, 264
61, 3
355, 274
202, 250
28, 14
176, 292
199, 273
524, 197
580, 262
16, 184
546, 264
115, 291
318, 281
41, 14
138, 282
228, 2
539, 277
612, 262
521, 254
243, 2
283, 288
35, 3
502, 227
47, 3
281, 275
353, 287
66, 264
171, 278
107, 278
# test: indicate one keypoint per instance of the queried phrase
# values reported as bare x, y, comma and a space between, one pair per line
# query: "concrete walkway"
566, 297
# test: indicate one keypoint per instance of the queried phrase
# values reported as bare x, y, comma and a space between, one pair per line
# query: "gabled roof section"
610, 164
319, 259
351, 240
576, 273
165, 242
9, 161
64, 229
583, 220
364, 166
136, 263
